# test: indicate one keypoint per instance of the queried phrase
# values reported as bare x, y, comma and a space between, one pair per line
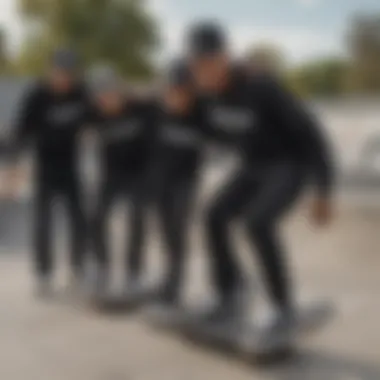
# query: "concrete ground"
56, 341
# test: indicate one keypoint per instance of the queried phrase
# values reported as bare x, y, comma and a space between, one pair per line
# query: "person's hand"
11, 183
321, 211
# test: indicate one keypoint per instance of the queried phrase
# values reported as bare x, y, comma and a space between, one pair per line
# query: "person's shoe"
232, 307
165, 294
135, 290
237, 301
76, 282
101, 284
282, 325
163, 306
44, 289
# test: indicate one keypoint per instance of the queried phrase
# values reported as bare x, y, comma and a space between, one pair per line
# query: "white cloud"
298, 44
10, 21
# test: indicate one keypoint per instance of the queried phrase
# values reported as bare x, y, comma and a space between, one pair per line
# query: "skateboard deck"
125, 302
242, 338
112, 304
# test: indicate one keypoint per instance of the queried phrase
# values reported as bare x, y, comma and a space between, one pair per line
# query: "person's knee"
217, 217
259, 223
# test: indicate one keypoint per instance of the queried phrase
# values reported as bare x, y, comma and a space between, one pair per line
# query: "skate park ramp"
53, 341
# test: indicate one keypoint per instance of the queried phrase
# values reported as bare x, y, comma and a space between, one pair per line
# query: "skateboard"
112, 304
121, 303
243, 339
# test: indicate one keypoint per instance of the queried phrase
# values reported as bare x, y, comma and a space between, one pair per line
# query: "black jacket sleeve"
289, 114
153, 123
26, 123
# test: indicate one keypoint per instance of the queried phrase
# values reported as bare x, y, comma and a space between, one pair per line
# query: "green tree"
363, 39
119, 32
323, 77
266, 57
4, 59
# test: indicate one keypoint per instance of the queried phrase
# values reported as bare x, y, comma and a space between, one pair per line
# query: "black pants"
58, 182
176, 196
259, 196
132, 187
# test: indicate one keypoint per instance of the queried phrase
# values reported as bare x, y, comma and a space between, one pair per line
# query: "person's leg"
137, 194
43, 260
99, 230
175, 206
226, 205
278, 189
71, 191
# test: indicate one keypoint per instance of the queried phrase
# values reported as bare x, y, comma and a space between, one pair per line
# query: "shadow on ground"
323, 366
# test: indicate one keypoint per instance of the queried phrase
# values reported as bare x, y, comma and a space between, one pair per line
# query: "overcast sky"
303, 28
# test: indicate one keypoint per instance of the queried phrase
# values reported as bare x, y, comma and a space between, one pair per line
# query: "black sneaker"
282, 325
232, 307
101, 285
166, 295
136, 290
237, 301
76, 282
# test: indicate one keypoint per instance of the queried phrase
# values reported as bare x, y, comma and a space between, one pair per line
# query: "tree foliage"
324, 77
4, 59
363, 39
124, 34
267, 57
120, 32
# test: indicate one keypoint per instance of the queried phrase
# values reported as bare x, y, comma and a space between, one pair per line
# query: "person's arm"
318, 149
153, 119
289, 114
25, 125
24, 129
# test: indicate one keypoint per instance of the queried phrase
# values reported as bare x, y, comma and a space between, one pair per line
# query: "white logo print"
177, 135
122, 131
62, 115
233, 120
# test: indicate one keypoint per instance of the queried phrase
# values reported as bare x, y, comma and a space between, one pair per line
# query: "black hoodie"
180, 141
267, 124
52, 121
127, 138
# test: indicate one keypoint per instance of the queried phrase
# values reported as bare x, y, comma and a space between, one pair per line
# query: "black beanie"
206, 38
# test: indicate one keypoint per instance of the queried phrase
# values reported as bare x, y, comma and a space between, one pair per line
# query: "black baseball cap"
206, 38
65, 59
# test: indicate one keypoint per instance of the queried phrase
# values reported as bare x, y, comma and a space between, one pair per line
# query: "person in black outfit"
126, 135
179, 151
281, 149
52, 114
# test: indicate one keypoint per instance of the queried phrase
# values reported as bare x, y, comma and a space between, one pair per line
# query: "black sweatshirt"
126, 138
52, 122
266, 124
179, 142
